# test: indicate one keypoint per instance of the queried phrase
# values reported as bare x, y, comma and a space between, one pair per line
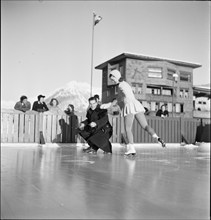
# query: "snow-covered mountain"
76, 93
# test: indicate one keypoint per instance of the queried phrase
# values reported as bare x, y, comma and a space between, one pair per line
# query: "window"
186, 94
178, 107
167, 92
153, 106
185, 76
181, 107
170, 107
108, 93
134, 88
156, 106
204, 103
155, 72
153, 90
139, 89
170, 74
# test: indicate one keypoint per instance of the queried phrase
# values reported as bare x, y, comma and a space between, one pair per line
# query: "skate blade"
130, 155
163, 146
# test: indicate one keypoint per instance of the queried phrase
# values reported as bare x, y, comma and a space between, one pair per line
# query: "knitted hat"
116, 74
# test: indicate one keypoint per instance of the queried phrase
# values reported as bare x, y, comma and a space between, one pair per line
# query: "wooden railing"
32, 127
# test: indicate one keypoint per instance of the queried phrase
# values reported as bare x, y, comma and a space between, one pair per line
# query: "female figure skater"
131, 108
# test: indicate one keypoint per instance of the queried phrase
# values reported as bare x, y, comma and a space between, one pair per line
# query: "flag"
97, 19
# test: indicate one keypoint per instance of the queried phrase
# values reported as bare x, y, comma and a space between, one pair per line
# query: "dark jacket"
159, 113
39, 107
99, 116
99, 135
166, 113
22, 107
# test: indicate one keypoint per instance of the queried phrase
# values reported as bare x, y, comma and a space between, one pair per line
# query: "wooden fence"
33, 127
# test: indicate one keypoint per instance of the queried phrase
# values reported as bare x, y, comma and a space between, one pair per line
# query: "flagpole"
93, 24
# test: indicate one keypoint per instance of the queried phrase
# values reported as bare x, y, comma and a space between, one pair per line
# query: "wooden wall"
19, 127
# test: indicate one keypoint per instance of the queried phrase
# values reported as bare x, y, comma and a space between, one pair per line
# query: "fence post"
41, 136
182, 131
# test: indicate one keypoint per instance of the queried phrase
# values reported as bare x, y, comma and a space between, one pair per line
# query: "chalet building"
155, 81
201, 101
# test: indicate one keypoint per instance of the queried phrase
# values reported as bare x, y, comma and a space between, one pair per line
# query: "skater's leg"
140, 117
128, 122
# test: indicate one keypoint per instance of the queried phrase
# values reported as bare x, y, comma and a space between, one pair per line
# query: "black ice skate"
162, 142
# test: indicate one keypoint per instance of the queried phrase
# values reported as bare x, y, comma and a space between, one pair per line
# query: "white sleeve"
106, 105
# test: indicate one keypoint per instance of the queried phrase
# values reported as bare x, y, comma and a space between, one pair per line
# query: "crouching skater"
96, 129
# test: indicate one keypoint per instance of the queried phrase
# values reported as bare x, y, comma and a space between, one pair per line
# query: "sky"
46, 44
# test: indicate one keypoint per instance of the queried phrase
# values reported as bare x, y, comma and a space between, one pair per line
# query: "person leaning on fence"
23, 105
131, 108
147, 112
70, 110
40, 105
166, 112
162, 112
114, 108
96, 129
53, 107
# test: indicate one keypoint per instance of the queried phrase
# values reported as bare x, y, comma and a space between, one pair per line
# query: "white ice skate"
131, 150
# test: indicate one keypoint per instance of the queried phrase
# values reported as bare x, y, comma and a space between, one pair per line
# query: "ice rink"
60, 181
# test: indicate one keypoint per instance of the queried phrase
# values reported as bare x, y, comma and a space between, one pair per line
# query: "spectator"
53, 106
23, 105
162, 112
69, 128
40, 105
97, 97
114, 108
70, 110
166, 112
147, 112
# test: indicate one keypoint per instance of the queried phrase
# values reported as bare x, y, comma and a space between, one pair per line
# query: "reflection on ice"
63, 182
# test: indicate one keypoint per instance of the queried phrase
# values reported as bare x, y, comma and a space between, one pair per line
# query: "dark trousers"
98, 139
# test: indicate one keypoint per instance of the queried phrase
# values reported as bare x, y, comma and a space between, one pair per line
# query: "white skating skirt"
132, 107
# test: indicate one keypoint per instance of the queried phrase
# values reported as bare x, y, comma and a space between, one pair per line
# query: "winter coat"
22, 107
99, 135
39, 107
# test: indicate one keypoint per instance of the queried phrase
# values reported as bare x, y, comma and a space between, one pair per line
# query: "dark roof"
142, 57
202, 89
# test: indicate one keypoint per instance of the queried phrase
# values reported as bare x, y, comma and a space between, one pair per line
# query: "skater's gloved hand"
106, 105
93, 124
81, 126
